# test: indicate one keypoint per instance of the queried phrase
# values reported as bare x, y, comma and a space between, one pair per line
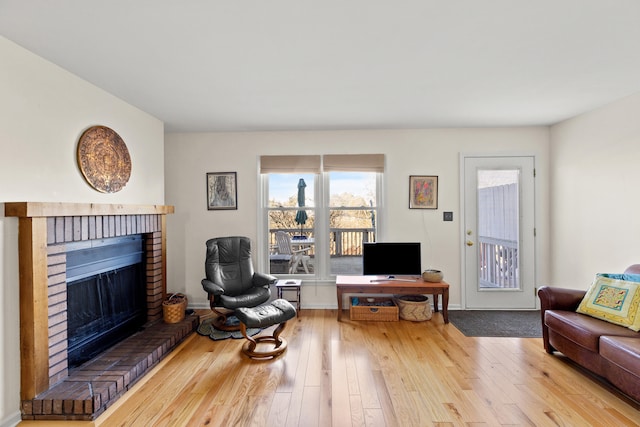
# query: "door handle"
469, 243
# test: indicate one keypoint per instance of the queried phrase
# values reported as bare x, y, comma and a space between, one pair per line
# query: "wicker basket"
434, 276
173, 308
370, 309
414, 307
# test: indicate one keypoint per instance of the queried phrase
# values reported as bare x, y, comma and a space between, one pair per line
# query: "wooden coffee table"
398, 285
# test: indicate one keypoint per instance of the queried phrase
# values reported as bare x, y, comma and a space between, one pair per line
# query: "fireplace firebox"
106, 298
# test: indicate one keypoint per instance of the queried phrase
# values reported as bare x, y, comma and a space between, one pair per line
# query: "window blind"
288, 164
330, 162
354, 162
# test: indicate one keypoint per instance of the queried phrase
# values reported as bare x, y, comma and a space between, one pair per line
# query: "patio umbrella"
301, 215
373, 215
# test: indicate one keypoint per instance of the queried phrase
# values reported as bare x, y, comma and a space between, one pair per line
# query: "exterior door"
499, 233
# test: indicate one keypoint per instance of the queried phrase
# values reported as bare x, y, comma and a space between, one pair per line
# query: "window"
352, 219
324, 208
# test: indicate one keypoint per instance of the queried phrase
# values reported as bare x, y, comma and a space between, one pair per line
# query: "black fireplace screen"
106, 307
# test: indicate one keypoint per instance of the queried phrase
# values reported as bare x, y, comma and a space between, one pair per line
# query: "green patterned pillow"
614, 298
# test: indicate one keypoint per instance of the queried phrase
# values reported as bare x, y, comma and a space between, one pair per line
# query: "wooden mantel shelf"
46, 209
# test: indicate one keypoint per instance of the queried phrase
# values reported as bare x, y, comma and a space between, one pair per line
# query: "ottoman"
263, 316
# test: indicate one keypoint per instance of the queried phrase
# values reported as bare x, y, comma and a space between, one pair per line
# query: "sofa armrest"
556, 299
560, 298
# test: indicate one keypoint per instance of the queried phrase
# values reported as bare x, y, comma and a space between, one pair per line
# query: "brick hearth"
90, 389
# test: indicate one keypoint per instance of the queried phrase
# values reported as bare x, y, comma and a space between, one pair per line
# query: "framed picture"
222, 192
423, 192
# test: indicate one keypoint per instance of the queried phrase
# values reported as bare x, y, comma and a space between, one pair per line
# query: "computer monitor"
391, 258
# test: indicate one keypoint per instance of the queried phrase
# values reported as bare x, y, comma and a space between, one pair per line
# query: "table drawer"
377, 309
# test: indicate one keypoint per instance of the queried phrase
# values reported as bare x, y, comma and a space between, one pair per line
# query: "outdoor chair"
297, 257
230, 280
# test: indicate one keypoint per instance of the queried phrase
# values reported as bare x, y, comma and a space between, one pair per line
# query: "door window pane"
498, 229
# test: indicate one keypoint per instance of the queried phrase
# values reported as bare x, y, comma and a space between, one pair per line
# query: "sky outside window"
282, 187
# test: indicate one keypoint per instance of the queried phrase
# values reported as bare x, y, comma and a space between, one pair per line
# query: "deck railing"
342, 241
498, 263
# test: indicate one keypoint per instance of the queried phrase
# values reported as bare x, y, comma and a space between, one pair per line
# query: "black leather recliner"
230, 279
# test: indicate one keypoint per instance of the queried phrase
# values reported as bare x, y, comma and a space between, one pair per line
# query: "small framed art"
222, 192
423, 192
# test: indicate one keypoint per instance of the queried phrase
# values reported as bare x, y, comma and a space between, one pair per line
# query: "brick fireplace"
48, 385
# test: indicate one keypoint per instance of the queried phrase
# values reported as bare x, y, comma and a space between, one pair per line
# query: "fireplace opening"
106, 294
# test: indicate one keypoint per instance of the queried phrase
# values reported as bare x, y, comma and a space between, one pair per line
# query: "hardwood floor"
369, 374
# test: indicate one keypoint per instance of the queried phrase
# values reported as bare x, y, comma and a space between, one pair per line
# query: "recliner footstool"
263, 316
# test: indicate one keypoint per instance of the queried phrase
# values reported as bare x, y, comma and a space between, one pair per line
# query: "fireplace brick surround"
49, 389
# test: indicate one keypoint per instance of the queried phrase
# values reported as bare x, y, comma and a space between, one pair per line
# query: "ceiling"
250, 65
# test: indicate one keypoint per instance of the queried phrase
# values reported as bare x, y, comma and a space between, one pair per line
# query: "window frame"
322, 208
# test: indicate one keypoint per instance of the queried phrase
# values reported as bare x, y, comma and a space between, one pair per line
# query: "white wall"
43, 112
188, 157
594, 196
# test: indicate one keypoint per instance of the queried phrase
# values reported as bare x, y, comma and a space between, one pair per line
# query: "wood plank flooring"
369, 374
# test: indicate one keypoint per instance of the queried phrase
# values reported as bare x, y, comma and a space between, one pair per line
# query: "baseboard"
308, 307
12, 420
319, 307
205, 306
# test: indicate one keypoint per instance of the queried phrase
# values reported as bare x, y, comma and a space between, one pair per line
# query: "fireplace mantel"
46, 209
43, 223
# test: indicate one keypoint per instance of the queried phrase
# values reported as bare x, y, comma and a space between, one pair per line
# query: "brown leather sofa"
608, 350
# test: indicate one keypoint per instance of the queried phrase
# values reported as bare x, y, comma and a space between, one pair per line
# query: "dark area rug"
206, 328
497, 323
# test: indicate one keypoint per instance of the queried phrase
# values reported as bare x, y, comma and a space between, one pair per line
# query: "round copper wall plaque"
103, 159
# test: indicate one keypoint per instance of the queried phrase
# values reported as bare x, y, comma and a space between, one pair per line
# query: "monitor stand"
393, 279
